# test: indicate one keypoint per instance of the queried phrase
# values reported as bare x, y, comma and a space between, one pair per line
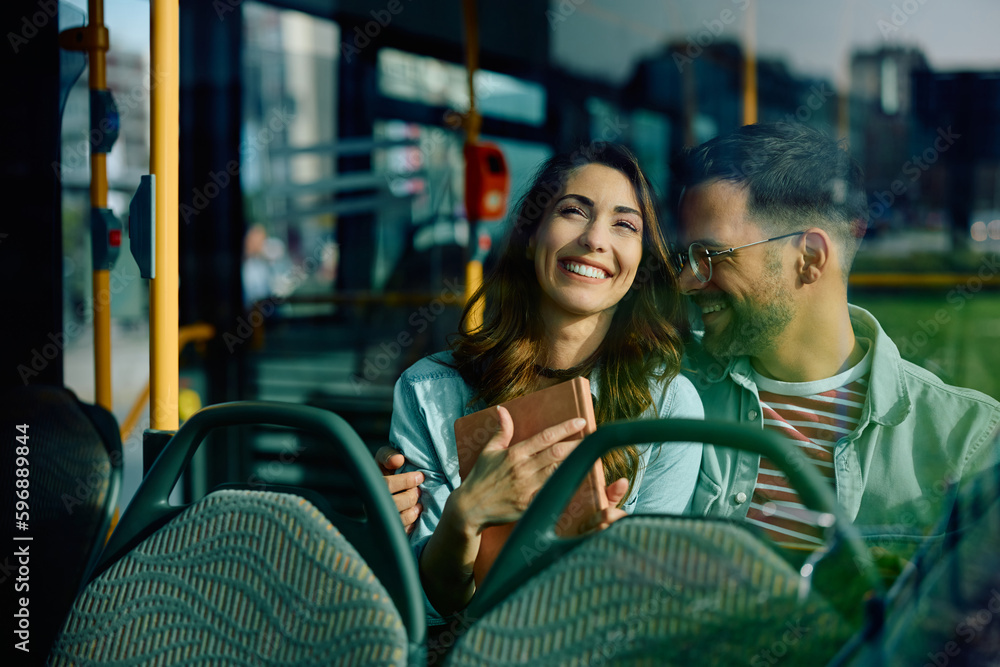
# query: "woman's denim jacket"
430, 396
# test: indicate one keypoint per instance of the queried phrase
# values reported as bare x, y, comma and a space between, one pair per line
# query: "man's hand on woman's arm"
405, 488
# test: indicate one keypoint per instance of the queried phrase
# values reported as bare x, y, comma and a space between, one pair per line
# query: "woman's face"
588, 245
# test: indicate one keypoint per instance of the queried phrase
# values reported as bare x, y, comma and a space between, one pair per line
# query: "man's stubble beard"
755, 322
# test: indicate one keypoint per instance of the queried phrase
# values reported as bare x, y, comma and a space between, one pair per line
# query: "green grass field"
954, 333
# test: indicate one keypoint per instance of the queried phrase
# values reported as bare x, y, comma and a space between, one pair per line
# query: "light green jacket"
915, 432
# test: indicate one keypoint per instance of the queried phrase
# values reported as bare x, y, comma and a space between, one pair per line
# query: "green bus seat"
251, 577
662, 590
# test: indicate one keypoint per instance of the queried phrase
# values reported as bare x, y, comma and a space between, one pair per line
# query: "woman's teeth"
584, 270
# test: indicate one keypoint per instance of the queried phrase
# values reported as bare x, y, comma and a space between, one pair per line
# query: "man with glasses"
770, 219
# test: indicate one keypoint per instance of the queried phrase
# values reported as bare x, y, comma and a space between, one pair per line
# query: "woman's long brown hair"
498, 358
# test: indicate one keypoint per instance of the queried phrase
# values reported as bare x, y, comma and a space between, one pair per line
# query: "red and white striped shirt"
813, 416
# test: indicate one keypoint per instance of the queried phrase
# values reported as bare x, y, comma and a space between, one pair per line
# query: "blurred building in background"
322, 174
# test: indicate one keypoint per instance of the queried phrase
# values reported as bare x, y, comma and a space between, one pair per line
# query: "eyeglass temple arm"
716, 253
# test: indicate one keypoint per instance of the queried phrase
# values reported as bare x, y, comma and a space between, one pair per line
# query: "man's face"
748, 301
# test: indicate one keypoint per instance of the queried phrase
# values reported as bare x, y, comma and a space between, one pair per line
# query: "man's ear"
815, 258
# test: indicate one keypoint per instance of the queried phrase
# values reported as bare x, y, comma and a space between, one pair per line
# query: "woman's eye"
571, 210
628, 225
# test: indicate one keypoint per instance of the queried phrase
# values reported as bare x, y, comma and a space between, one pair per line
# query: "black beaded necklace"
567, 373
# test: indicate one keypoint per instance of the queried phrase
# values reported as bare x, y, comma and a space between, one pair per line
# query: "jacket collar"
888, 400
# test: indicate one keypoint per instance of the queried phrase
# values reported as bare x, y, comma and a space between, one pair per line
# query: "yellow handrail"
94, 41
99, 199
163, 308
933, 280
750, 65
472, 122
190, 333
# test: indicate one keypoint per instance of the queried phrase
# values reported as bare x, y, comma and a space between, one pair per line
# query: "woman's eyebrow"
590, 202
583, 200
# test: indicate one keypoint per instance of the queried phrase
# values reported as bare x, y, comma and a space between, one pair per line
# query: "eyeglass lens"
701, 264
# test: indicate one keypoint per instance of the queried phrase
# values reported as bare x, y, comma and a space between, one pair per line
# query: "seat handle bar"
537, 525
151, 506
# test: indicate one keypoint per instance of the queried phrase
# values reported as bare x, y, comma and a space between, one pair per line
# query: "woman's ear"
529, 252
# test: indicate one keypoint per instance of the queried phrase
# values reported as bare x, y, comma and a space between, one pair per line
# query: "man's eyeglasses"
700, 257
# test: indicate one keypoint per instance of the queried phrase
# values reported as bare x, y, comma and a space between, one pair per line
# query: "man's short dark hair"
795, 176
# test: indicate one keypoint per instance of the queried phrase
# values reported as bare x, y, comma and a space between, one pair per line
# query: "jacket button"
752, 415
740, 498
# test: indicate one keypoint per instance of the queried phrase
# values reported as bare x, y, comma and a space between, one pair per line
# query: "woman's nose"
594, 237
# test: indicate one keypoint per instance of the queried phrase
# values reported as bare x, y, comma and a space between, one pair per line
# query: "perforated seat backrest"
239, 578
658, 591
150, 509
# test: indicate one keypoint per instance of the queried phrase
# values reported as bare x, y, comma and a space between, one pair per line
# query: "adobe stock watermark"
632, 626
433, 140
76, 155
284, 286
95, 483
271, 641
793, 634
246, 325
216, 182
364, 35
970, 627
437, 138
223, 7
438, 646
563, 11
900, 16
819, 95
264, 475
30, 25
419, 320
913, 169
711, 32
119, 279
956, 299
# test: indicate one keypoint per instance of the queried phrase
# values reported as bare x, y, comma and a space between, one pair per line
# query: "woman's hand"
498, 489
601, 520
506, 477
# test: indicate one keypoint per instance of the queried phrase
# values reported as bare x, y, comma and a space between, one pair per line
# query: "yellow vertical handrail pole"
474, 268
100, 277
164, 318
105, 230
472, 122
750, 65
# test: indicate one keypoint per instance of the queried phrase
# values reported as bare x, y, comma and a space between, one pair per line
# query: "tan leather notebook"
532, 414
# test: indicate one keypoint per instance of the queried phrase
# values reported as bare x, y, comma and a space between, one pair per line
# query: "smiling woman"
566, 293
587, 250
